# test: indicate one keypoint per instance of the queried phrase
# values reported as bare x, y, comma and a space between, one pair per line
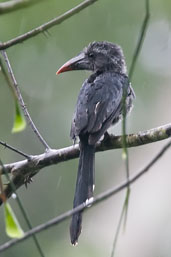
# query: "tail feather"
84, 186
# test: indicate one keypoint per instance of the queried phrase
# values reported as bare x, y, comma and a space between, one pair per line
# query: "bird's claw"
106, 136
27, 181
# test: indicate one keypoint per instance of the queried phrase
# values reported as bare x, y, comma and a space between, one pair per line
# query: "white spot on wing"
95, 110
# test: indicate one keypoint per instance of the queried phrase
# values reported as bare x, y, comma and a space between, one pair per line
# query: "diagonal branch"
47, 25
13, 83
101, 197
15, 150
141, 38
13, 5
22, 170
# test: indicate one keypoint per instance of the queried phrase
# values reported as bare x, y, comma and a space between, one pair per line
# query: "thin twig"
124, 212
13, 5
101, 197
21, 101
47, 25
8, 80
2, 194
22, 209
126, 159
124, 111
141, 39
15, 150
118, 229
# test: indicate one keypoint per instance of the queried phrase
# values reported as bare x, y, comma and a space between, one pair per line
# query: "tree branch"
15, 150
22, 209
47, 25
22, 170
20, 99
140, 39
101, 197
13, 5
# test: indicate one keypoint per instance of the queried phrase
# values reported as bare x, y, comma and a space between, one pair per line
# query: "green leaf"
13, 228
19, 122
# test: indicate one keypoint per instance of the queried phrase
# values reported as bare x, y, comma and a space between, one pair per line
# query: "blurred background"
51, 101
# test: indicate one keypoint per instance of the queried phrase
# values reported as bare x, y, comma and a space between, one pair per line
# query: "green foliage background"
51, 100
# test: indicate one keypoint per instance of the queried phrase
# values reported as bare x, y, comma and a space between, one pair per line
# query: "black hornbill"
99, 105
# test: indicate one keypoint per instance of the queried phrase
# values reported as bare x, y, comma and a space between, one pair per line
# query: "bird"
99, 106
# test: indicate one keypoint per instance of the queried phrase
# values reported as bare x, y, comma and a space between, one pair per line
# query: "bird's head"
98, 56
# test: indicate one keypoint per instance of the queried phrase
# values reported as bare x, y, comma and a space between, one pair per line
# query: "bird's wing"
99, 103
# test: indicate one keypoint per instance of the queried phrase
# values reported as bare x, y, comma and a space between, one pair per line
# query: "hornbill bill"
99, 105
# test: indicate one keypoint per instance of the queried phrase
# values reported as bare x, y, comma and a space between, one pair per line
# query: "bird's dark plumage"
99, 105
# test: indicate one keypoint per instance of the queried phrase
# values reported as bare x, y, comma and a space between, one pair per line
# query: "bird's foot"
27, 181
107, 137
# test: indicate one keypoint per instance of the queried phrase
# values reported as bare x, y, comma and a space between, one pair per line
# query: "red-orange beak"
80, 62
65, 67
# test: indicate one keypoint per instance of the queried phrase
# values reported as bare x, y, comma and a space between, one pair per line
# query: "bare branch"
137, 50
47, 25
28, 168
22, 209
13, 5
141, 38
15, 150
101, 197
21, 101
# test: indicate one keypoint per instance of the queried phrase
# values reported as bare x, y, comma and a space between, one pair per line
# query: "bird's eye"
91, 55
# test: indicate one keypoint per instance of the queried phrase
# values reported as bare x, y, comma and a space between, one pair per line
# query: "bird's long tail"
84, 186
